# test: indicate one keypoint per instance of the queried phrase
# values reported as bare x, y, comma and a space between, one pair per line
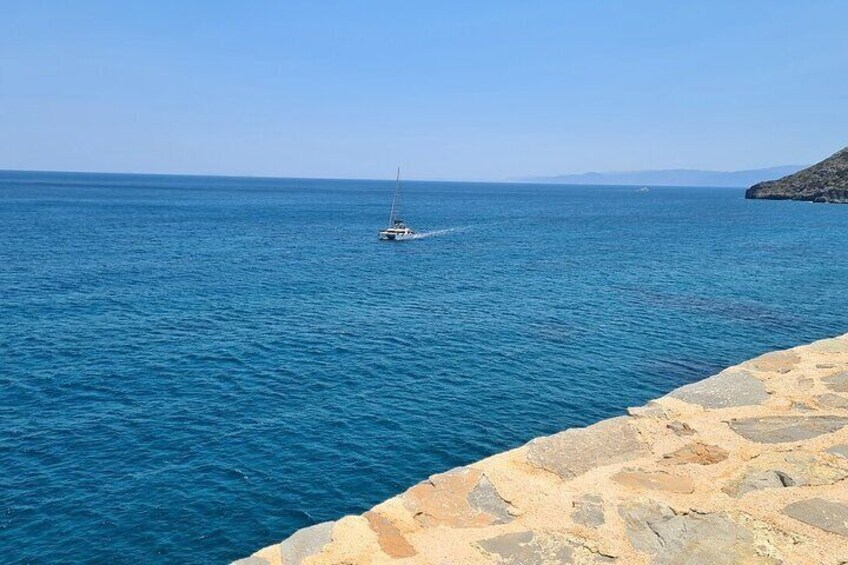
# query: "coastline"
746, 466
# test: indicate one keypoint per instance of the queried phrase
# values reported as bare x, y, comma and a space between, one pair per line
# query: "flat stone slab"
824, 514
522, 548
783, 429
696, 453
837, 382
833, 345
252, 560
726, 389
649, 410
461, 498
655, 480
802, 406
706, 538
780, 470
588, 511
688, 538
389, 537
679, 428
775, 362
640, 517
758, 480
529, 548
575, 451
831, 400
305, 543
840, 450
484, 498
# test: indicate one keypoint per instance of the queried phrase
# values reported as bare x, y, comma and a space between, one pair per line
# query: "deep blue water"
192, 368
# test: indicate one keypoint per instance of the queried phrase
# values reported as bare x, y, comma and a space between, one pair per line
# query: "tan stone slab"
655, 480
389, 536
775, 362
461, 498
696, 453
575, 451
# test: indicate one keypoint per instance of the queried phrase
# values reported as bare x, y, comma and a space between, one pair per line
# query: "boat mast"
394, 199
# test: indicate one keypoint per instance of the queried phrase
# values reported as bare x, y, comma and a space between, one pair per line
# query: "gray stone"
689, 538
831, 400
528, 548
781, 429
730, 388
680, 428
640, 519
837, 382
824, 514
806, 383
524, 548
840, 450
506, 544
305, 542
758, 480
484, 498
706, 538
650, 410
588, 511
252, 560
575, 451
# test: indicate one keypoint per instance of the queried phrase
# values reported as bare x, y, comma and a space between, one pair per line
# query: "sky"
486, 90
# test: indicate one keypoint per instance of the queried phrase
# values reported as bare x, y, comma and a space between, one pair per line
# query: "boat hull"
389, 236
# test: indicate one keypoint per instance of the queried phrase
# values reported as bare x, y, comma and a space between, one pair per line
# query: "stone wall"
748, 466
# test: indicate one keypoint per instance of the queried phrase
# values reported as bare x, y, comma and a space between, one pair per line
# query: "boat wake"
435, 233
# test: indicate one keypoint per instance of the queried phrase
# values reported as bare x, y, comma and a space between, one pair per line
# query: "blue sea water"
192, 368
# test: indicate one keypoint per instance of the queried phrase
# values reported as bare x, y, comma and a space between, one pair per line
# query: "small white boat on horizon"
397, 230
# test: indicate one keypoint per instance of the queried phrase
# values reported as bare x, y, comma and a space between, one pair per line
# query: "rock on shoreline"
826, 181
747, 466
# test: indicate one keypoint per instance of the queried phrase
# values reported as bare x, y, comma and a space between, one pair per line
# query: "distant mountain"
826, 181
675, 177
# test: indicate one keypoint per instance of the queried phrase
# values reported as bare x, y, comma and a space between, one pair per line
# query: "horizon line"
535, 179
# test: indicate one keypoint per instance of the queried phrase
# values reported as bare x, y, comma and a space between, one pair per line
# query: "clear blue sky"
463, 90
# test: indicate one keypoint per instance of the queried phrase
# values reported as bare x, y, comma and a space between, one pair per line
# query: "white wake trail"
434, 233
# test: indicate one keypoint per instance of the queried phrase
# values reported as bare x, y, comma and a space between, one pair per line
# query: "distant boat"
643, 189
397, 230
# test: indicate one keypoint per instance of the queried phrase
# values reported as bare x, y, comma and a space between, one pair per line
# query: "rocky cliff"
826, 181
748, 466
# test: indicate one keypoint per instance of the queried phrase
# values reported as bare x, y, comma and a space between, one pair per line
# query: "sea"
192, 368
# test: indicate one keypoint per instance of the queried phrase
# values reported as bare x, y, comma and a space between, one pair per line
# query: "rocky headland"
826, 181
747, 466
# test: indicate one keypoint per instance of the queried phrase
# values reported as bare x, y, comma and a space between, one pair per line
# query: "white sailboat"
397, 230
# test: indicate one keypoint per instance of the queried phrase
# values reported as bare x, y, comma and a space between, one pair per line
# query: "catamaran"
397, 230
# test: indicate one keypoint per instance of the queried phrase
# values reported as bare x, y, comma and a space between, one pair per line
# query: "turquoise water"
191, 368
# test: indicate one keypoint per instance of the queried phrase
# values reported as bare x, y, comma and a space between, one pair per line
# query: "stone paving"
749, 466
